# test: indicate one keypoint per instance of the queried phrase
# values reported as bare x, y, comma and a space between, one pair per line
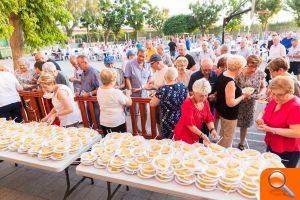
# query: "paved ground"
22, 183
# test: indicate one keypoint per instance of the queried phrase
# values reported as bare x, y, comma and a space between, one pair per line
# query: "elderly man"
224, 52
243, 50
206, 52
76, 79
50, 68
40, 57
294, 57
182, 53
166, 58
159, 71
277, 50
90, 82
150, 50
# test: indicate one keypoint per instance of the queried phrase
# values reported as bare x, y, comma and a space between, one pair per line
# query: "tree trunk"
16, 39
106, 36
136, 35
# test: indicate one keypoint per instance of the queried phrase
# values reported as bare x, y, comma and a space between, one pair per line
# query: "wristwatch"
211, 130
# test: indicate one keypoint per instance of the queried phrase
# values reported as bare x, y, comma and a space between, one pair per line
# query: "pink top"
190, 116
288, 114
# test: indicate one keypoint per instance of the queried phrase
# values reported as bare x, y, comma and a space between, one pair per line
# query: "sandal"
241, 147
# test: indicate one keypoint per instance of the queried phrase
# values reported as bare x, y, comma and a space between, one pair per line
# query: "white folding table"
50, 165
170, 188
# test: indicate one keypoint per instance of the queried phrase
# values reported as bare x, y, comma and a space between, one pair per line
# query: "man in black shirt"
182, 53
172, 47
207, 73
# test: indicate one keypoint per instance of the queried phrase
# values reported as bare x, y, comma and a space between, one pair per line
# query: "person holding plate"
251, 78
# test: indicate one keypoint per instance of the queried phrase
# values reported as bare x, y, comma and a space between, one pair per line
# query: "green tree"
90, 17
179, 24
235, 23
272, 6
206, 14
157, 17
294, 6
137, 10
112, 17
32, 24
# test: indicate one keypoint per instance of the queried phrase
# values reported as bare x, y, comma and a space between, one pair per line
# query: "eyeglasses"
278, 95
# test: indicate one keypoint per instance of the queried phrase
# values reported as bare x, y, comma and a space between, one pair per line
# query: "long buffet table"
50, 165
171, 188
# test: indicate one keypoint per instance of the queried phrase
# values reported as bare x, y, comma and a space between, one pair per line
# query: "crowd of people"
192, 100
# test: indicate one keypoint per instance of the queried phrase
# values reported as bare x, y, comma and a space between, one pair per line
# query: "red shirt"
288, 114
190, 116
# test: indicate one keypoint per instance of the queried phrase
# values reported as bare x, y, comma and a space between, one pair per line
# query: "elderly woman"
281, 122
24, 74
64, 106
221, 66
184, 75
112, 102
195, 111
251, 76
170, 98
109, 62
10, 103
279, 67
50, 68
229, 96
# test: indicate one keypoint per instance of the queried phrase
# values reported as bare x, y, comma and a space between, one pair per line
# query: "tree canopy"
32, 24
206, 14
157, 17
273, 6
179, 24
294, 6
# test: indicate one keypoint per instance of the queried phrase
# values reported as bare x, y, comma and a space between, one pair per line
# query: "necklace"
199, 106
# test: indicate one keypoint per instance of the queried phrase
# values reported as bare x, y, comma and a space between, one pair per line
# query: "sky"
182, 7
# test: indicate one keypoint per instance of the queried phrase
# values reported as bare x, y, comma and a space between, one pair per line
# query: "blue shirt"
287, 43
138, 76
90, 80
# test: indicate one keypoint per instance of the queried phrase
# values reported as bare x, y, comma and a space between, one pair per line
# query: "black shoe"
241, 147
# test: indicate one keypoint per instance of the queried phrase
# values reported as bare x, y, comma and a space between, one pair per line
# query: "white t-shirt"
72, 117
112, 102
159, 77
8, 89
294, 51
277, 51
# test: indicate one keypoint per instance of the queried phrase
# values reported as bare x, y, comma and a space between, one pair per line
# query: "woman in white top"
64, 106
112, 102
10, 103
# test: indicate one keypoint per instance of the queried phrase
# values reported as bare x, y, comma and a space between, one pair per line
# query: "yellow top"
150, 52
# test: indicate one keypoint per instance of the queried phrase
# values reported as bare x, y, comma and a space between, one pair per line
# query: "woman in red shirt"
194, 112
281, 122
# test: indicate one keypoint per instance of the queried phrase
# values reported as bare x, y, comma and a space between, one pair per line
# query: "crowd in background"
192, 100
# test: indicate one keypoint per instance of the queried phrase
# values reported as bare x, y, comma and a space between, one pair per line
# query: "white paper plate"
247, 196
204, 189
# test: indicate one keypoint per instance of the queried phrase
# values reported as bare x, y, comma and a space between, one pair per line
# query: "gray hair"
171, 74
182, 45
49, 67
202, 86
277, 38
25, 61
235, 62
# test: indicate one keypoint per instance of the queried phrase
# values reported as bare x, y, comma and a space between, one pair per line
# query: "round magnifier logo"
277, 180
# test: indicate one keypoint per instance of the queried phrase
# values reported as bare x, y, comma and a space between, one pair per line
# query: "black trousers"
121, 128
12, 111
289, 159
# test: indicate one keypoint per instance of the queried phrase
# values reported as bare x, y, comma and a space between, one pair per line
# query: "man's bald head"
39, 56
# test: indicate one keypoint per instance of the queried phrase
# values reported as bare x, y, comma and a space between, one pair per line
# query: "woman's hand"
259, 122
214, 135
51, 119
45, 119
265, 128
206, 141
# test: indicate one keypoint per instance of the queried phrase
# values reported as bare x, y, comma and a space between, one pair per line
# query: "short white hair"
181, 45
25, 61
235, 62
49, 67
277, 38
202, 86
171, 74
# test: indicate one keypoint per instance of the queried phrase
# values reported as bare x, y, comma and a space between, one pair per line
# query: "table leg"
68, 190
127, 188
16, 164
109, 194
